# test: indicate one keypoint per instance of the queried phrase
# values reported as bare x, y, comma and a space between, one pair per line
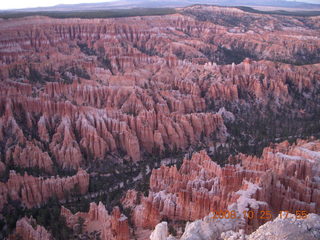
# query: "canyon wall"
36, 191
27, 229
88, 93
284, 178
112, 227
75, 91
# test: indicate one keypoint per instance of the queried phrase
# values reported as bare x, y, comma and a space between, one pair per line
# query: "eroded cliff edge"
119, 97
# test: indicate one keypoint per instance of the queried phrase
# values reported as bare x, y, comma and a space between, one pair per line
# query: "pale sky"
14, 4
309, 1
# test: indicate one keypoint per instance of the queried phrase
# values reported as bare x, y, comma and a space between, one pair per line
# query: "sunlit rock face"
284, 178
278, 229
77, 93
27, 228
289, 228
76, 90
36, 191
112, 226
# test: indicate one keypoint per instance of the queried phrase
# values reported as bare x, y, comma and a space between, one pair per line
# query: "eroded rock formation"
27, 229
284, 178
280, 228
35, 191
112, 227
144, 84
76, 93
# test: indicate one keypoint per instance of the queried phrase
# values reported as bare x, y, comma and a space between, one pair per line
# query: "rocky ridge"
278, 229
134, 86
36, 191
80, 94
27, 228
200, 186
111, 227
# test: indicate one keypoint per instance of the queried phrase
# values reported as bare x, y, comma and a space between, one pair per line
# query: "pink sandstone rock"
35, 191
112, 227
283, 179
27, 229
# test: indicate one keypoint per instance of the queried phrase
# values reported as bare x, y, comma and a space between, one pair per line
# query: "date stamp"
263, 214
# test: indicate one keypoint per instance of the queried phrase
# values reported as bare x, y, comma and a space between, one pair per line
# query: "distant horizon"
14, 4
17, 4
